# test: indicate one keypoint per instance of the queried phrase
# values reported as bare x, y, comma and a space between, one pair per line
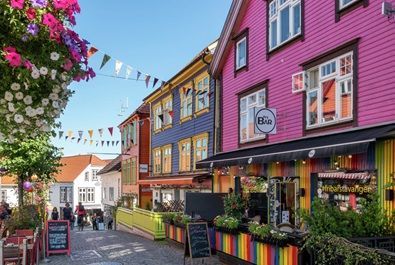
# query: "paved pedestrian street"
117, 247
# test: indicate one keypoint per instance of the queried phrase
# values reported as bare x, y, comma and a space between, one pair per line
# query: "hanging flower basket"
39, 57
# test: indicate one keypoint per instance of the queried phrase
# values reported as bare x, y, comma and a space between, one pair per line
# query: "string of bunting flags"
129, 70
93, 142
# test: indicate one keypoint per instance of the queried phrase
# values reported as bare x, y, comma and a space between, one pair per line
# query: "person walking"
55, 214
81, 213
68, 215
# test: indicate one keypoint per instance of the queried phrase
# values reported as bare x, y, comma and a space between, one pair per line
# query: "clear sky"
157, 37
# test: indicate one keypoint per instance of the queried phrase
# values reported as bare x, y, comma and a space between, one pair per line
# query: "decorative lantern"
27, 186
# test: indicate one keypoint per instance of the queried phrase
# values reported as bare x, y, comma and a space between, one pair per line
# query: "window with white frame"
186, 102
200, 145
329, 92
82, 195
94, 174
202, 97
185, 155
167, 111
87, 176
111, 194
285, 20
66, 194
248, 104
157, 161
157, 114
166, 153
90, 195
345, 3
241, 53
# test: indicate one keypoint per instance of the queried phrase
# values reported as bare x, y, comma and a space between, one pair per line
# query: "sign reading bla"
265, 121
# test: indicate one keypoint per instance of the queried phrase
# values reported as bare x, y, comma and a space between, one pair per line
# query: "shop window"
248, 104
200, 145
329, 92
185, 155
157, 109
202, 93
157, 161
284, 200
186, 102
166, 151
284, 21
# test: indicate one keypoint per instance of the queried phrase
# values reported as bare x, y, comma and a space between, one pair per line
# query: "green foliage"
181, 218
266, 232
228, 222
26, 217
369, 221
234, 205
168, 217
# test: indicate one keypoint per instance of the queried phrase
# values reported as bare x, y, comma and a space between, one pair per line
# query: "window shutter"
299, 82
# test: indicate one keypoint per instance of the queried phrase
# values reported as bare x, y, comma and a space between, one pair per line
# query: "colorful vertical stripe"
243, 247
175, 233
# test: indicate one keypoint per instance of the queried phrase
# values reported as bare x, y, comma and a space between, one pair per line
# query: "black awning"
342, 143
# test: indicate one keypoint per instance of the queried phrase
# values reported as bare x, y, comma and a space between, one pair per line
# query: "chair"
13, 254
24, 232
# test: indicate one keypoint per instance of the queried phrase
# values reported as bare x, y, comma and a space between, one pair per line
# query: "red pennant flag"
171, 113
92, 51
110, 130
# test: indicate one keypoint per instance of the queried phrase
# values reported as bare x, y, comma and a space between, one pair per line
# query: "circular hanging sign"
265, 121
311, 153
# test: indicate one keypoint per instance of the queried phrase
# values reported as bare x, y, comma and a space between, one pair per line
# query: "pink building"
327, 68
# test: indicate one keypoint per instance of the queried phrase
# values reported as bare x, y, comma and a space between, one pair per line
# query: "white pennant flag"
129, 70
118, 66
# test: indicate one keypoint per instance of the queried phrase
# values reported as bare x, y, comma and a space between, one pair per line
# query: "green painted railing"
147, 221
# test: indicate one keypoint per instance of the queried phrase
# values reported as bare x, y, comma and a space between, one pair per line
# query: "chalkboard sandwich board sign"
197, 243
58, 237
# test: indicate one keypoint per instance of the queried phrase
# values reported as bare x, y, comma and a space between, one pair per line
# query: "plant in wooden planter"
168, 218
235, 205
268, 234
227, 224
181, 219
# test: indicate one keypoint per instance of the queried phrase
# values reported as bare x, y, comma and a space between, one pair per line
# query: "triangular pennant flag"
117, 143
97, 143
66, 138
60, 134
70, 133
85, 140
141, 122
106, 58
129, 71
108, 143
147, 78
160, 116
100, 132
171, 113
102, 142
72, 138
92, 50
132, 141
90, 132
155, 81
79, 139
112, 143
118, 66
138, 75
202, 100
184, 89
90, 142
188, 91
110, 130
80, 133
86, 42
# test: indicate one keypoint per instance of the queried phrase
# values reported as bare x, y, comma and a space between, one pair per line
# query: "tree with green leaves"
24, 159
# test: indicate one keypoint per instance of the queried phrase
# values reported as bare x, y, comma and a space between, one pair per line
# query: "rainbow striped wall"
242, 247
175, 233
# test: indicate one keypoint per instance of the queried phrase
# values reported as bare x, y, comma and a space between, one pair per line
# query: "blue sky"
154, 36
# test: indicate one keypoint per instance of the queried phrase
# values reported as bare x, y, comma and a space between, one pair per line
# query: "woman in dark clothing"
80, 211
55, 214
68, 215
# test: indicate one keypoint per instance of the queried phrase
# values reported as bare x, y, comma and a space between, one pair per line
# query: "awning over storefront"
175, 180
343, 175
350, 142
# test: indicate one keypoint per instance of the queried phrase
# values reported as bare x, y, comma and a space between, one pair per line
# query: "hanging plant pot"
39, 57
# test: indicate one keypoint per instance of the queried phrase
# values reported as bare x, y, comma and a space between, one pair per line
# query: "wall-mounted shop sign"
143, 168
265, 121
360, 189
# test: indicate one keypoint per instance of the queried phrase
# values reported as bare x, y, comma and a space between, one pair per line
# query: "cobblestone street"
116, 247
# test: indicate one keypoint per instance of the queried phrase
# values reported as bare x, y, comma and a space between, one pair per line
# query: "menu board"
58, 236
197, 243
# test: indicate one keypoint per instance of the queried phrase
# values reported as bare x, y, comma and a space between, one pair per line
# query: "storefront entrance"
284, 200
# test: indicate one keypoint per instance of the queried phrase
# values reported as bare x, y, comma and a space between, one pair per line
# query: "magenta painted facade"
376, 66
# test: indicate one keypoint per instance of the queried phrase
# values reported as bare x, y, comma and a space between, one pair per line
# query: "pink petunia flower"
14, 59
17, 4
28, 65
49, 20
31, 13
60, 4
68, 65
9, 49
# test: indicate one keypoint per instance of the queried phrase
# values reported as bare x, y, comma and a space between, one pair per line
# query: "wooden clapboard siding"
375, 92
179, 131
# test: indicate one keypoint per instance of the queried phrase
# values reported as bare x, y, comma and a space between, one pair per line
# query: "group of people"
80, 211
69, 215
